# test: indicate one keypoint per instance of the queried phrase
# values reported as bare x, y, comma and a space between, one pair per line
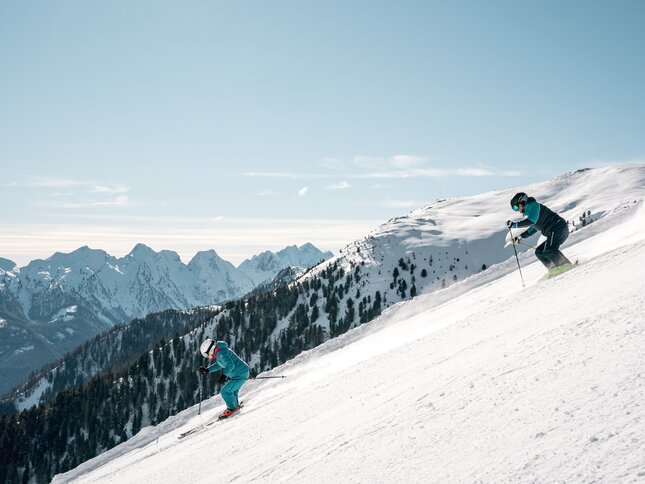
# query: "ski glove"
511, 225
222, 379
203, 369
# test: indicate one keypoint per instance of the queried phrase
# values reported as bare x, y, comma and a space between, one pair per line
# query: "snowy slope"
482, 381
471, 230
449, 240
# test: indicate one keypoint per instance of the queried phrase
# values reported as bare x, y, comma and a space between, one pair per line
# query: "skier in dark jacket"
234, 375
552, 226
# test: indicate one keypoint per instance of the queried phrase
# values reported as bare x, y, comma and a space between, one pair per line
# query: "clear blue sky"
250, 125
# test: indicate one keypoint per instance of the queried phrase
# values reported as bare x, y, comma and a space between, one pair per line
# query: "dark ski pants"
549, 251
231, 389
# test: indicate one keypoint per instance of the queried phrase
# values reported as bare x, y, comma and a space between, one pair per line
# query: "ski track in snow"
482, 382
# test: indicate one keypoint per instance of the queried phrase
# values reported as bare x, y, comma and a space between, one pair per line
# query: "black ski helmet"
519, 198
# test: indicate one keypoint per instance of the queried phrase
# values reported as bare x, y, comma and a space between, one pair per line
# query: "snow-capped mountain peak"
7, 265
262, 268
206, 257
142, 251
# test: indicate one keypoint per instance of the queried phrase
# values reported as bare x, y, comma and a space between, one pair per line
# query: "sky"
247, 126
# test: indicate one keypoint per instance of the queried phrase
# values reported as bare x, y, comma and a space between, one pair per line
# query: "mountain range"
51, 306
452, 259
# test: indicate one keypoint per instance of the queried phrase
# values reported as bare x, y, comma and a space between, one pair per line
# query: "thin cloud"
395, 167
293, 176
119, 201
58, 204
338, 186
332, 164
407, 161
395, 164
473, 172
109, 189
369, 162
290, 176
67, 193
399, 166
57, 183
407, 173
303, 191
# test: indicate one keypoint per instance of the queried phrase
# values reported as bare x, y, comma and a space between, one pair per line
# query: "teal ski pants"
231, 389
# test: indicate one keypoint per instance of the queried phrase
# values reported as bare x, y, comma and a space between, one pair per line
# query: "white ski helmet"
207, 347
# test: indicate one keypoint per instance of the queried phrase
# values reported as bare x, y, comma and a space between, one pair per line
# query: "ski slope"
484, 381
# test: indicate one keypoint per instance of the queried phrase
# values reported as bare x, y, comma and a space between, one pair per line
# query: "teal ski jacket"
227, 360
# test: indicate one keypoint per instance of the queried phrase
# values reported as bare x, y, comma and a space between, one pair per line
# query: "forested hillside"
111, 351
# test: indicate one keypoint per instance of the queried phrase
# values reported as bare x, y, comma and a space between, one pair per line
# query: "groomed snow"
481, 382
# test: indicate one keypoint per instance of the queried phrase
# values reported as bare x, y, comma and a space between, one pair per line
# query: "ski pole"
201, 384
516, 257
258, 377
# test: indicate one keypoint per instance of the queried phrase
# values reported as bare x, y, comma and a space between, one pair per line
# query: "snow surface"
34, 397
22, 349
483, 381
64, 314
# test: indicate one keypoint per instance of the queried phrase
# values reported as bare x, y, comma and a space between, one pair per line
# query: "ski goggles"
212, 350
516, 207
213, 355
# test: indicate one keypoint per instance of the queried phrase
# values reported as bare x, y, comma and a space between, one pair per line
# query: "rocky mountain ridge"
51, 306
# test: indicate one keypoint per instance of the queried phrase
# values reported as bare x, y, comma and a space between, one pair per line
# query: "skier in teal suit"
235, 372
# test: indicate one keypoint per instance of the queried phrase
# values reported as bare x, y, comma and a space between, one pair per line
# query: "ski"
206, 425
556, 271
197, 429
184, 434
